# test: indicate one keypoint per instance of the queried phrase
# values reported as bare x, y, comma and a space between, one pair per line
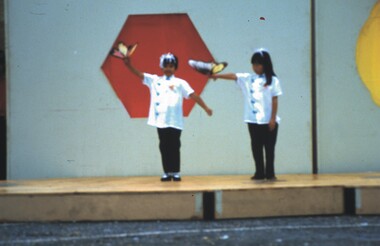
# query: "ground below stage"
329, 230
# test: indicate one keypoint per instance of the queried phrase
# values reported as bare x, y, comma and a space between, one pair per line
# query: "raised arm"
127, 62
201, 103
227, 76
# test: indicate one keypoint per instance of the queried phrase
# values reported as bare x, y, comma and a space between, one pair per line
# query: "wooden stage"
196, 197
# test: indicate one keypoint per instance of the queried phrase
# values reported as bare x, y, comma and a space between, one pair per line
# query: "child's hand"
212, 76
208, 111
127, 60
272, 125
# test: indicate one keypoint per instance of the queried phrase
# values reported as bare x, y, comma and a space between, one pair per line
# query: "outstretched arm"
201, 103
127, 62
227, 76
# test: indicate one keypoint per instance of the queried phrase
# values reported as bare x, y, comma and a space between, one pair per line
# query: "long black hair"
262, 57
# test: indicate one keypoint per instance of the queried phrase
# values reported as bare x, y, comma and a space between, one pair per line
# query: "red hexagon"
155, 34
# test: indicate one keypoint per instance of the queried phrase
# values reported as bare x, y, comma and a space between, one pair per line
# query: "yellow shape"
368, 53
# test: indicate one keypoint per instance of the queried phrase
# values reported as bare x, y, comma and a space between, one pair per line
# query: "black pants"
263, 138
169, 147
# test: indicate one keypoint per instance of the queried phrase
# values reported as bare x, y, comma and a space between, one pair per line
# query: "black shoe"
176, 178
272, 179
258, 178
166, 178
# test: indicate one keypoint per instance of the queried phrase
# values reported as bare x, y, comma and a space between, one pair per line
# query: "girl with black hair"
260, 91
165, 112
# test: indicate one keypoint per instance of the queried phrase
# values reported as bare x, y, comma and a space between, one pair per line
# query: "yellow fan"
207, 68
368, 53
123, 50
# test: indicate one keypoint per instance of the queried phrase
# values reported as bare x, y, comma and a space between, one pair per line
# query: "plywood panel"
368, 200
280, 202
100, 207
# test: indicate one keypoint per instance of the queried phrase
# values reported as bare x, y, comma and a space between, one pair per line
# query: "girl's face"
169, 69
258, 68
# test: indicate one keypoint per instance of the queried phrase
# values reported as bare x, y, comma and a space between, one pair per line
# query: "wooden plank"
189, 184
100, 207
279, 202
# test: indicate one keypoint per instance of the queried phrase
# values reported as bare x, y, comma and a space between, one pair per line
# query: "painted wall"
64, 120
348, 119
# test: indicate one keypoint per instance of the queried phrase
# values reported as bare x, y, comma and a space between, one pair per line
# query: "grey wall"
348, 119
65, 120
